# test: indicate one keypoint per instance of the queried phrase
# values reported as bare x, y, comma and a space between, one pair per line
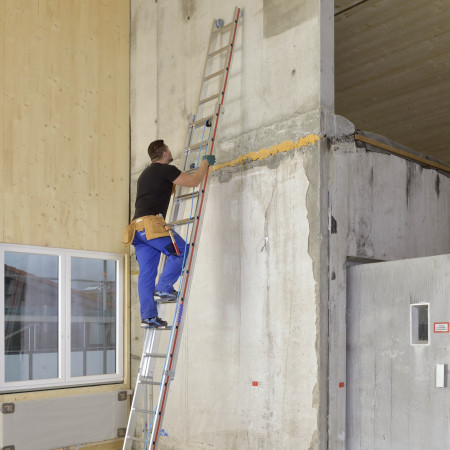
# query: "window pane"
93, 316
31, 316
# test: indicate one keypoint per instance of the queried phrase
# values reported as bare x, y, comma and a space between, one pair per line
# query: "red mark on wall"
341, 384
255, 383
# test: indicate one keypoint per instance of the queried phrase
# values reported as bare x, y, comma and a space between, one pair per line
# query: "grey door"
398, 353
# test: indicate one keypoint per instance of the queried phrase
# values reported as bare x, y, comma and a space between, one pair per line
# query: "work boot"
165, 296
153, 322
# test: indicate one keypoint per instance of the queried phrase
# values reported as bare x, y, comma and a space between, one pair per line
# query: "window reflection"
93, 316
31, 316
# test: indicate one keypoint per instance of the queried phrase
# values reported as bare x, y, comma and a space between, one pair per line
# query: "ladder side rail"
187, 141
237, 13
224, 79
232, 37
213, 38
182, 303
175, 209
177, 212
178, 316
147, 363
174, 343
131, 426
192, 254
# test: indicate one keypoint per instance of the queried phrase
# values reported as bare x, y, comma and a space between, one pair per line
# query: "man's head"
159, 152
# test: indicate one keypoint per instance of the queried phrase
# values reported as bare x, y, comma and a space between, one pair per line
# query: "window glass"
58, 311
30, 316
93, 316
419, 324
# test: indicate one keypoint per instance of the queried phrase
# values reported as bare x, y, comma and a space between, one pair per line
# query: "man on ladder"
151, 236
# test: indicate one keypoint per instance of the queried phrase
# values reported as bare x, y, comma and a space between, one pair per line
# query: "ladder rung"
194, 147
224, 28
187, 196
136, 439
140, 410
220, 50
153, 383
181, 222
208, 99
200, 122
156, 355
213, 75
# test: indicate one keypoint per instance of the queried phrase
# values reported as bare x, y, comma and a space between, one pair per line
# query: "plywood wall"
64, 135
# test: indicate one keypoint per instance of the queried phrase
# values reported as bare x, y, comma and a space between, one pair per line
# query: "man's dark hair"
156, 149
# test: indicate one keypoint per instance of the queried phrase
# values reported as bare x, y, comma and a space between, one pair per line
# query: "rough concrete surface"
250, 319
256, 296
382, 208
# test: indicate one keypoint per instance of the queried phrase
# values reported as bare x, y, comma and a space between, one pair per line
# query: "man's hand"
193, 180
210, 158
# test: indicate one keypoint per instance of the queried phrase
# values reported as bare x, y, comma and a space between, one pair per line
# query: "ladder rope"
176, 316
153, 422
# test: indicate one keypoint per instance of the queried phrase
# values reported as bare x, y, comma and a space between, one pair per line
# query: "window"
420, 323
61, 317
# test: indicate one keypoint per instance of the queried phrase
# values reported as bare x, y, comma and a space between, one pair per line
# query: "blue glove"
211, 159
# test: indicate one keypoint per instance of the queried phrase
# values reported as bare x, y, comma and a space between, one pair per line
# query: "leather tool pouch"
153, 226
128, 234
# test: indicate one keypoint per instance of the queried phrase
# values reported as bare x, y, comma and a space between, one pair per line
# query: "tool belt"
153, 226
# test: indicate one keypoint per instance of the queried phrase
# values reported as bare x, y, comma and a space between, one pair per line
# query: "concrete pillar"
252, 372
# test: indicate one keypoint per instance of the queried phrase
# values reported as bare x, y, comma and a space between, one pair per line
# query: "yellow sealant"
264, 153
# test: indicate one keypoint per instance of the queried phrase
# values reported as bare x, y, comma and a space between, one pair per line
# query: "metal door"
398, 353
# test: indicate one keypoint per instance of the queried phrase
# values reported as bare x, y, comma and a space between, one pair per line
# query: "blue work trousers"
148, 254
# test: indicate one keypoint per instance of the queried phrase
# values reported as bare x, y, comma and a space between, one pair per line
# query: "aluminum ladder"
157, 370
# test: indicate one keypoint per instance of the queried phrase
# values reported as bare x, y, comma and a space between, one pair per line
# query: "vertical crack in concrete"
269, 322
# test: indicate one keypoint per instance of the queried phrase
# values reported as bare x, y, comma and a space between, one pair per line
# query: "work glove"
210, 158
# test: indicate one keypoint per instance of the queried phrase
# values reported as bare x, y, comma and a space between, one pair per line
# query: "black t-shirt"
154, 188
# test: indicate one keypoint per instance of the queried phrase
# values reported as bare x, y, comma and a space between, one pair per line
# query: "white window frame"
64, 320
412, 326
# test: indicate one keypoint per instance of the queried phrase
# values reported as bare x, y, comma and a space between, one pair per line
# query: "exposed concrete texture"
392, 397
270, 81
280, 15
382, 207
258, 304
251, 318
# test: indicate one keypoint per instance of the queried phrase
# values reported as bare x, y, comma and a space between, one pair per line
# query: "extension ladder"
157, 370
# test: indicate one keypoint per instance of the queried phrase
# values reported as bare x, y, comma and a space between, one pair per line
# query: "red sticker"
341, 384
255, 383
441, 327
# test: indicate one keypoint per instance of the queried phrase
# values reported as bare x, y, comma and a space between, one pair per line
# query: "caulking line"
264, 153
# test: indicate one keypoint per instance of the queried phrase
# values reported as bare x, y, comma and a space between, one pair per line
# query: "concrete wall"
382, 207
252, 317
257, 309
393, 400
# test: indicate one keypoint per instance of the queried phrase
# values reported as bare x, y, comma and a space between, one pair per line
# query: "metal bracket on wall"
8, 408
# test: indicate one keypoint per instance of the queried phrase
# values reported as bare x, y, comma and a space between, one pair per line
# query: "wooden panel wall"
64, 134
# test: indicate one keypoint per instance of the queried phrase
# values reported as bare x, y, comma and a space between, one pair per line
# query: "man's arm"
192, 180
